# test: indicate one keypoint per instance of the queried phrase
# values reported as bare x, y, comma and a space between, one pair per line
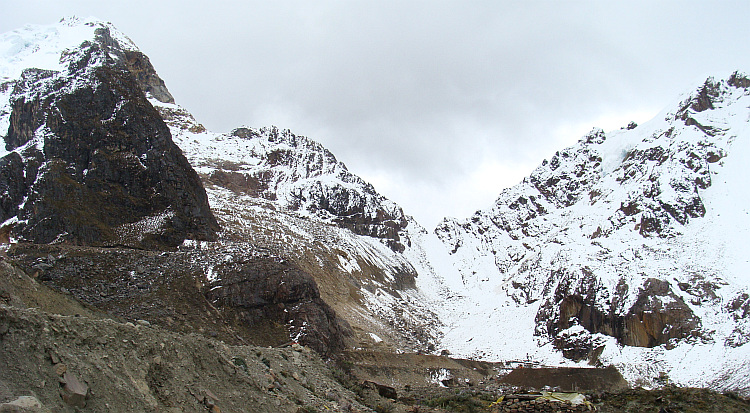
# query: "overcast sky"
439, 104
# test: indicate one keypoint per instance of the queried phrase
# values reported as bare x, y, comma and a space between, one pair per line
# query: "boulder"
74, 392
263, 289
383, 390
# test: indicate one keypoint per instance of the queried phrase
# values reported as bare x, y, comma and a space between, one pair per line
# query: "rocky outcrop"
251, 297
602, 236
259, 290
299, 174
98, 162
657, 316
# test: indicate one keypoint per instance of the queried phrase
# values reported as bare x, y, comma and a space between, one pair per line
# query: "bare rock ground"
60, 355
53, 362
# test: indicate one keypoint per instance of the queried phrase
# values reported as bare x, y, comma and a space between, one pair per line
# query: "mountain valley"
132, 236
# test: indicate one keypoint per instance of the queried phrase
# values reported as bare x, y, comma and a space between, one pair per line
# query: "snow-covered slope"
627, 248
271, 188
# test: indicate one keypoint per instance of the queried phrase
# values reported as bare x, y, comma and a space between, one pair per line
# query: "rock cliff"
89, 160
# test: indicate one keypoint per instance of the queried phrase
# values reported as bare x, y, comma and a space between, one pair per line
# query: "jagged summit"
627, 248
87, 158
626, 238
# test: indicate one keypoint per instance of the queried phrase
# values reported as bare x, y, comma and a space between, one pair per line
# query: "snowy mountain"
304, 245
294, 172
86, 158
272, 188
626, 248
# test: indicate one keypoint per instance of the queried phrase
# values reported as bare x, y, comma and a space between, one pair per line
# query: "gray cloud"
421, 97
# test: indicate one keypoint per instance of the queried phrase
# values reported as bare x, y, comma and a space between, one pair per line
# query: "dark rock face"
657, 316
12, 185
99, 163
256, 298
739, 308
260, 290
738, 80
140, 67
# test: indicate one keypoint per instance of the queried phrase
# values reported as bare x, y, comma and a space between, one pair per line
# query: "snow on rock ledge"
295, 173
633, 236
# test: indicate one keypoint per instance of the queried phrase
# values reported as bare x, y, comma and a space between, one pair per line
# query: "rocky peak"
295, 173
98, 162
135, 62
607, 240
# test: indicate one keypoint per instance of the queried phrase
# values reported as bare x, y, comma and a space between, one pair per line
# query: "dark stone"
705, 97
630, 209
650, 224
74, 392
105, 171
738, 80
383, 390
265, 289
740, 306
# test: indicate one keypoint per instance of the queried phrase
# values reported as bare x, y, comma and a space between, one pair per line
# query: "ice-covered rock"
634, 236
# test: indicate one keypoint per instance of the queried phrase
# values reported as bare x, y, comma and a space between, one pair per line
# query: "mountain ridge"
597, 257
600, 242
